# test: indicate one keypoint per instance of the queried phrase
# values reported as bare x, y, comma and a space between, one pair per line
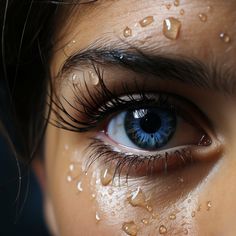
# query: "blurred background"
20, 214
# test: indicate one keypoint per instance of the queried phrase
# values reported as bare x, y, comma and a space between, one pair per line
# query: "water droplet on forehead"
202, 17
127, 32
171, 28
162, 229
130, 228
225, 37
177, 3
146, 21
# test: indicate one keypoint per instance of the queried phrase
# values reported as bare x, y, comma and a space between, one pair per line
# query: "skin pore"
194, 199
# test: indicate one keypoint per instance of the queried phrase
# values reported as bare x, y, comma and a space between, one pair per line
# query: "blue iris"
150, 128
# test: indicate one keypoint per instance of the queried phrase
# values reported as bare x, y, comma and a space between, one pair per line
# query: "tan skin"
197, 199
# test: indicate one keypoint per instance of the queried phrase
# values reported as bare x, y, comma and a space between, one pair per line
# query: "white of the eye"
116, 131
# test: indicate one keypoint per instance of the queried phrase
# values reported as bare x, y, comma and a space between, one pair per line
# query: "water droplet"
205, 141
106, 177
182, 12
225, 38
171, 28
146, 21
172, 216
203, 17
177, 3
79, 186
209, 205
181, 180
93, 78
193, 214
127, 32
168, 6
93, 196
97, 217
71, 167
145, 221
137, 198
149, 208
69, 178
162, 229
110, 191
154, 216
209, 8
74, 77
130, 228
185, 231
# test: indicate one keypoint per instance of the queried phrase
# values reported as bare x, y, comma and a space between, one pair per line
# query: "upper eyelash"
98, 104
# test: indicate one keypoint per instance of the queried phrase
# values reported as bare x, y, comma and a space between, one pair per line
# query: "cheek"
95, 203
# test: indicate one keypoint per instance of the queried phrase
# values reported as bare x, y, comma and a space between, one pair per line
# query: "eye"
152, 129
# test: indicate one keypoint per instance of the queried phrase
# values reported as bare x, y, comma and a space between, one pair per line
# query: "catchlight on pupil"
150, 128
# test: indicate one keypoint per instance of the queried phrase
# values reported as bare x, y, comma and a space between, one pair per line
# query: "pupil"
150, 123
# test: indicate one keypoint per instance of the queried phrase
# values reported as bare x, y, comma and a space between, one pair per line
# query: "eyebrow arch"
187, 70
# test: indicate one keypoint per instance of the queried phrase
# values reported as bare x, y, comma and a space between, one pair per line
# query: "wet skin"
197, 199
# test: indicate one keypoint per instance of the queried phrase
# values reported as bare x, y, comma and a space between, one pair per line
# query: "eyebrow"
191, 71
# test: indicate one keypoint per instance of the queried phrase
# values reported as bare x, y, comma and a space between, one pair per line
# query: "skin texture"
201, 194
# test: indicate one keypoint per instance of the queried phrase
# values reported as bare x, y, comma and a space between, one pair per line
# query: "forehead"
207, 28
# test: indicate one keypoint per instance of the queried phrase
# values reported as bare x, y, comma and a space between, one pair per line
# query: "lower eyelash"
127, 164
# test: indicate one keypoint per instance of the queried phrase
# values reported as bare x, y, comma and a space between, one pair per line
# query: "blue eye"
150, 128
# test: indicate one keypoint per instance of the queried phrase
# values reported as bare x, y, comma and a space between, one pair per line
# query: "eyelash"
94, 114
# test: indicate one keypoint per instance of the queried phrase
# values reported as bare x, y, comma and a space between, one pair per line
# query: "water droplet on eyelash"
181, 180
172, 216
182, 12
93, 78
127, 32
185, 231
145, 221
209, 205
106, 177
204, 141
177, 3
193, 214
202, 17
225, 38
171, 28
79, 186
69, 178
162, 229
168, 6
130, 228
137, 198
74, 77
146, 21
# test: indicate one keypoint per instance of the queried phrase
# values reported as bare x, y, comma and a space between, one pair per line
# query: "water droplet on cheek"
162, 229
79, 186
127, 32
137, 198
225, 38
145, 221
172, 216
106, 177
171, 28
209, 205
130, 228
146, 21
97, 217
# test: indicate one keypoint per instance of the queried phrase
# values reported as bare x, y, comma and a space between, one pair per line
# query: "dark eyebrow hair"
187, 70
